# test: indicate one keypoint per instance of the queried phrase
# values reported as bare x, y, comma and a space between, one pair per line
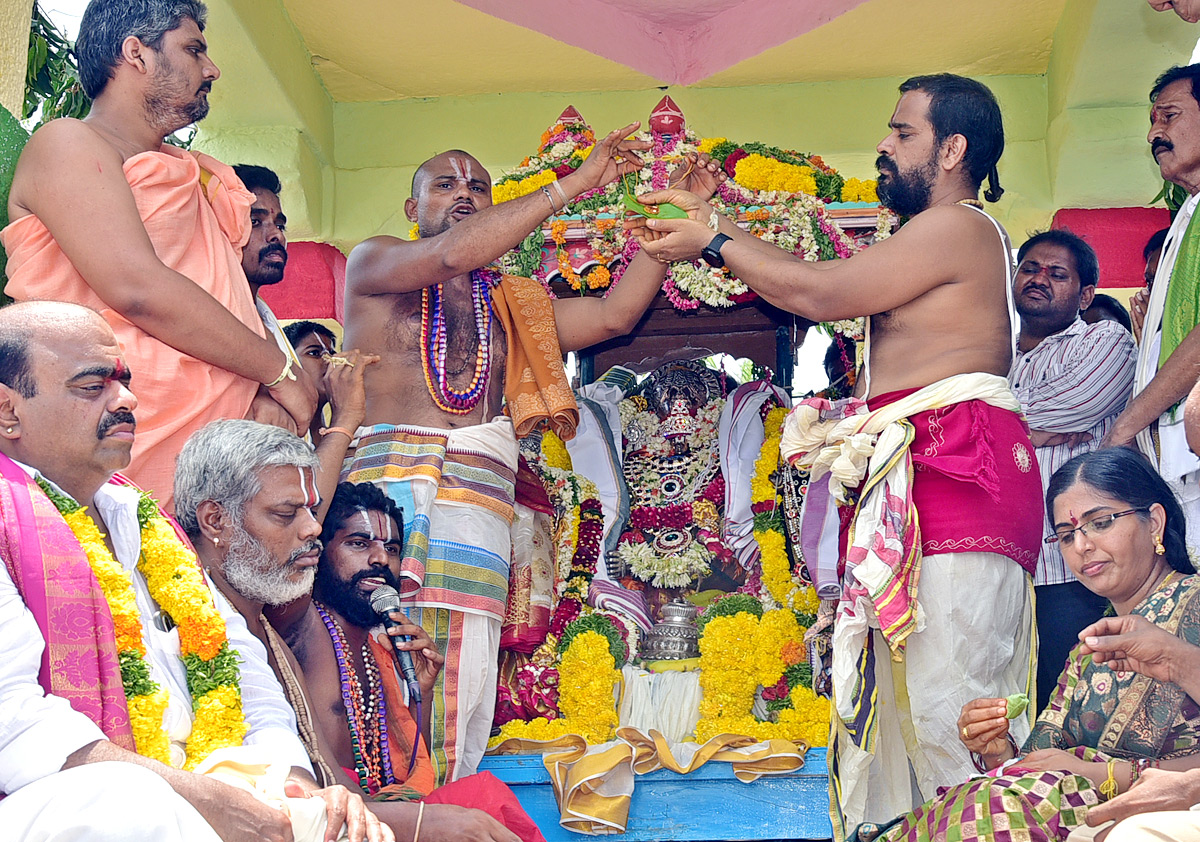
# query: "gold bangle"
286, 374
420, 815
326, 430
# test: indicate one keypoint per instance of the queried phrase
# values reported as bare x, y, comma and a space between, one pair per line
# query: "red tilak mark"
1074, 520
119, 370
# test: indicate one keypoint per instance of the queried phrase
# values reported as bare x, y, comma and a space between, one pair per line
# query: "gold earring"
216, 542
9, 430
1159, 549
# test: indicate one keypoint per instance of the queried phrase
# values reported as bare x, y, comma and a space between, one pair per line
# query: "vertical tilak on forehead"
310, 489
388, 520
462, 168
370, 530
119, 369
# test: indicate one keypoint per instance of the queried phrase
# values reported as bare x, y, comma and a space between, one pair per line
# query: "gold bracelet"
1109, 788
286, 374
420, 815
326, 430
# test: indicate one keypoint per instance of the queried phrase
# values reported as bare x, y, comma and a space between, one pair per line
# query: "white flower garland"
670, 571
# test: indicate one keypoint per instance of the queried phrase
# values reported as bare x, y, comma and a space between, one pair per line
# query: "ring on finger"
338, 360
966, 736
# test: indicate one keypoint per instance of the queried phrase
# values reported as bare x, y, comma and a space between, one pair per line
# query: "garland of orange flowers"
777, 577
177, 586
739, 654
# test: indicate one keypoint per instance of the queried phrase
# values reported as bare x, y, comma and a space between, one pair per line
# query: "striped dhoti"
457, 490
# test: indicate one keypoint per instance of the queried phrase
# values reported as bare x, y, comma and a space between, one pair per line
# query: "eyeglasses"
1030, 269
1095, 526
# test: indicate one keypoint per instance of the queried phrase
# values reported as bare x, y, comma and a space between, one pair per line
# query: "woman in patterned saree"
1122, 533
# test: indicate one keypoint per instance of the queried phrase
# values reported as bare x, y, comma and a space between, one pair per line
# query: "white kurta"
38, 732
1173, 458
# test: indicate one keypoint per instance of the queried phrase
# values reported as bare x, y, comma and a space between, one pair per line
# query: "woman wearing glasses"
1121, 531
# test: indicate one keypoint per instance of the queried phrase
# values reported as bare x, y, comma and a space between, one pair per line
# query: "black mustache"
885, 163
206, 87
384, 573
271, 249
121, 416
1158, 143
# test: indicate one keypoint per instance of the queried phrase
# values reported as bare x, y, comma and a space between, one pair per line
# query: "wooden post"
15, 17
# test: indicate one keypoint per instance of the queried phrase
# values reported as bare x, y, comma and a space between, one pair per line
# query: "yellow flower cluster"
145, 709
855, 190
737, 655
218, 723
516, 189
586, 678
757, 172
555, 451
776, 569
173, 577
414, 233
708, 144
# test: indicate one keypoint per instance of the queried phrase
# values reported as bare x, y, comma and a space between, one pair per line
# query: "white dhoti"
975, 639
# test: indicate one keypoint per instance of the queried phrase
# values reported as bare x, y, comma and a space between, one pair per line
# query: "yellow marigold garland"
516, 188
857, 190
777, 576
758, 172
586, 677
555, 450
737, 655
176, 585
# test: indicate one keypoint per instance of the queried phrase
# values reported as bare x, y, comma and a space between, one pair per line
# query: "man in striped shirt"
1072, 379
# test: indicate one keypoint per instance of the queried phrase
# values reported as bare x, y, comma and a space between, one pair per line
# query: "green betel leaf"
1016, 705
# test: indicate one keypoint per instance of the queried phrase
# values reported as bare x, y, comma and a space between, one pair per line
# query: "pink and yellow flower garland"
177, 586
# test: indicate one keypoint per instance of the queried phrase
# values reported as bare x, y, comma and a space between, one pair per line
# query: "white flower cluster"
670, 571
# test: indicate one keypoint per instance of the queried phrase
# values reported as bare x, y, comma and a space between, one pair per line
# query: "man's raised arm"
384, 264
73, 181
926, 253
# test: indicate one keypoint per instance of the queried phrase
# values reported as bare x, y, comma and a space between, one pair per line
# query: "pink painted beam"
674, 41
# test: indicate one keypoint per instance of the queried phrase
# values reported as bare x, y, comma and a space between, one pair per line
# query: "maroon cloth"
976, 483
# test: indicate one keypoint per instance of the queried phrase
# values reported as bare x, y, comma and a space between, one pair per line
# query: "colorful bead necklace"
365, 714
433, 345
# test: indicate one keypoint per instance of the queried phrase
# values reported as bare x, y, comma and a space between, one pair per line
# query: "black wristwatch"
712, 251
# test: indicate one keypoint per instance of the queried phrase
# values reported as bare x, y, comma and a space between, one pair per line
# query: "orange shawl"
536, 390
197, 224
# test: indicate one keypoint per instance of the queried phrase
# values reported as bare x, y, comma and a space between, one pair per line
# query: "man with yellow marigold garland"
123, 669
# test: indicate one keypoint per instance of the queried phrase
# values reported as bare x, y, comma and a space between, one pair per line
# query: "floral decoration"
742, 653
587, 676
782, 191
177, 586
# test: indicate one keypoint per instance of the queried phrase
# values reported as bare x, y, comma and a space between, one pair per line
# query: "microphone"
385, 600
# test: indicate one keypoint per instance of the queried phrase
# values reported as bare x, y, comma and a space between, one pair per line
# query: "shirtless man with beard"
949, 440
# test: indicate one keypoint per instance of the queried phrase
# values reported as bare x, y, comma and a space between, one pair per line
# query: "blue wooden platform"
708, 804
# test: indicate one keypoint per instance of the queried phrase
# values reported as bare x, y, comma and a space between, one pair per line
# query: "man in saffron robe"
69, 763
245, 492
470, 362
107, 215
930, 461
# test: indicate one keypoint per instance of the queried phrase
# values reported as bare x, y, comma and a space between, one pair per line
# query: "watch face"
712, 252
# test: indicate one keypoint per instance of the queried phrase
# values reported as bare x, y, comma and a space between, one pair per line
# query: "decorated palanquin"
660, 595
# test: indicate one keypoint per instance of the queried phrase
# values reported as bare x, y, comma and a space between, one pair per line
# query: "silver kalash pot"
675, 636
